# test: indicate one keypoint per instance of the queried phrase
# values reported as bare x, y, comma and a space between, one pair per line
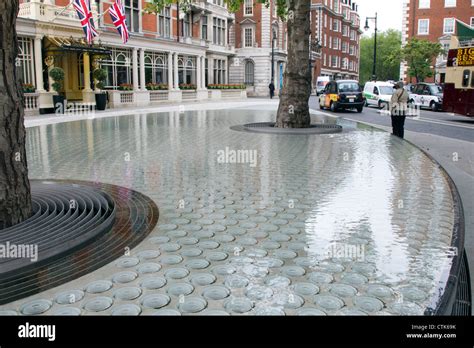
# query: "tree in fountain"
15, 196
293, 111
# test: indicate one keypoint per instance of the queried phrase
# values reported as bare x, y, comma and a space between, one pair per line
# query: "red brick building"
434, 20
335, 25
258, 32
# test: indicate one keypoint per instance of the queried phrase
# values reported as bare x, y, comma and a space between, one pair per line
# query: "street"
449, 139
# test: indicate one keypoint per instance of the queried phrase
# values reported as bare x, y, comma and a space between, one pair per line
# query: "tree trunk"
15, 197
293, 111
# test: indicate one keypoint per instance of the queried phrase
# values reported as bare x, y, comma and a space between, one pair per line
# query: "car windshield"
349, 87
436, 89
322, 83
386, 90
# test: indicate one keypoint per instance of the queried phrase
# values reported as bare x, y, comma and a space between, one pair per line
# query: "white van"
321, 83
378, 94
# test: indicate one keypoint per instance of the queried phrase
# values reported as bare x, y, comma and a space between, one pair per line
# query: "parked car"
427, 95
342, 94
377, 93
321, 83
409, 87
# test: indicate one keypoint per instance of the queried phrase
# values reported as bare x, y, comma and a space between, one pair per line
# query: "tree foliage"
420, 55
388, 56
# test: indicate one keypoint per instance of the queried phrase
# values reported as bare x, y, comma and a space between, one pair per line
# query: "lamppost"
374, 76
273, 55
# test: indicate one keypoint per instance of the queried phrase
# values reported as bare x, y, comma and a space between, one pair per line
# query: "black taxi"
341, 95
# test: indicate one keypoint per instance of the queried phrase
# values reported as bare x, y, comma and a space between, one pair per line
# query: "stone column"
39, 64
135, 69
226, 74
170, 71
176, 76
210, 72
142, 69
87, 75
203, 72
198, 72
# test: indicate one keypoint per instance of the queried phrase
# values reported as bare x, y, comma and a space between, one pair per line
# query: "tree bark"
15, 197
293, 111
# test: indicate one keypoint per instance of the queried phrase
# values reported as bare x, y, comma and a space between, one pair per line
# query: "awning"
75, 45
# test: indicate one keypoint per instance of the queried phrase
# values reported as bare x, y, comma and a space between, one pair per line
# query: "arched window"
249, 73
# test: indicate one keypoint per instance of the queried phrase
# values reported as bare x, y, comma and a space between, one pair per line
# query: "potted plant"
28, 88
100, 75
57, 74
125, 87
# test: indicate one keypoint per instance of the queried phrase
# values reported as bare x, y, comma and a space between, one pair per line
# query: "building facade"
260, 45
434, 20
180, 50
335, 28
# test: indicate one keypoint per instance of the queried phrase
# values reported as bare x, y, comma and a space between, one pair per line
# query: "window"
204, 27
465, 78
218, 31
448, 27
472, 79
334, 61
248, 7
186, 25
218, 2
186, 70
156, 68
345, 47
472, 22
132, 14
25, 58
424, 4
164, 22
345, 30
325, 21
118, 68
219, 71
248, 37
335, 25
423, 26
449, 3
249, 73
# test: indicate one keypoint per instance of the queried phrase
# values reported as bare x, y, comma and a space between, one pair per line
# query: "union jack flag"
83, 9
117, 13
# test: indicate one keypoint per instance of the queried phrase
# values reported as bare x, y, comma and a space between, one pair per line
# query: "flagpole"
103, 14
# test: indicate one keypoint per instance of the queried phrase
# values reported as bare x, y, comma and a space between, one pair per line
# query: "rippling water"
353, 223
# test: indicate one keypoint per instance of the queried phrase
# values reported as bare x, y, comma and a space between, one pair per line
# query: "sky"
389, 14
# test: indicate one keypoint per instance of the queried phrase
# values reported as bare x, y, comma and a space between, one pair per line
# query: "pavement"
252, 224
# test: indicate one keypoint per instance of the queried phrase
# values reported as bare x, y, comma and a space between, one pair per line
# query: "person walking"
271, 86
399, 106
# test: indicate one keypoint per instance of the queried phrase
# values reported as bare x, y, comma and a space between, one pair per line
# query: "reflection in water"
307, 195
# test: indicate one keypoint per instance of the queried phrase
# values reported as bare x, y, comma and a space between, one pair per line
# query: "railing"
156, 96
25, 10
31, 101
126, 97
49, 12
189, 95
